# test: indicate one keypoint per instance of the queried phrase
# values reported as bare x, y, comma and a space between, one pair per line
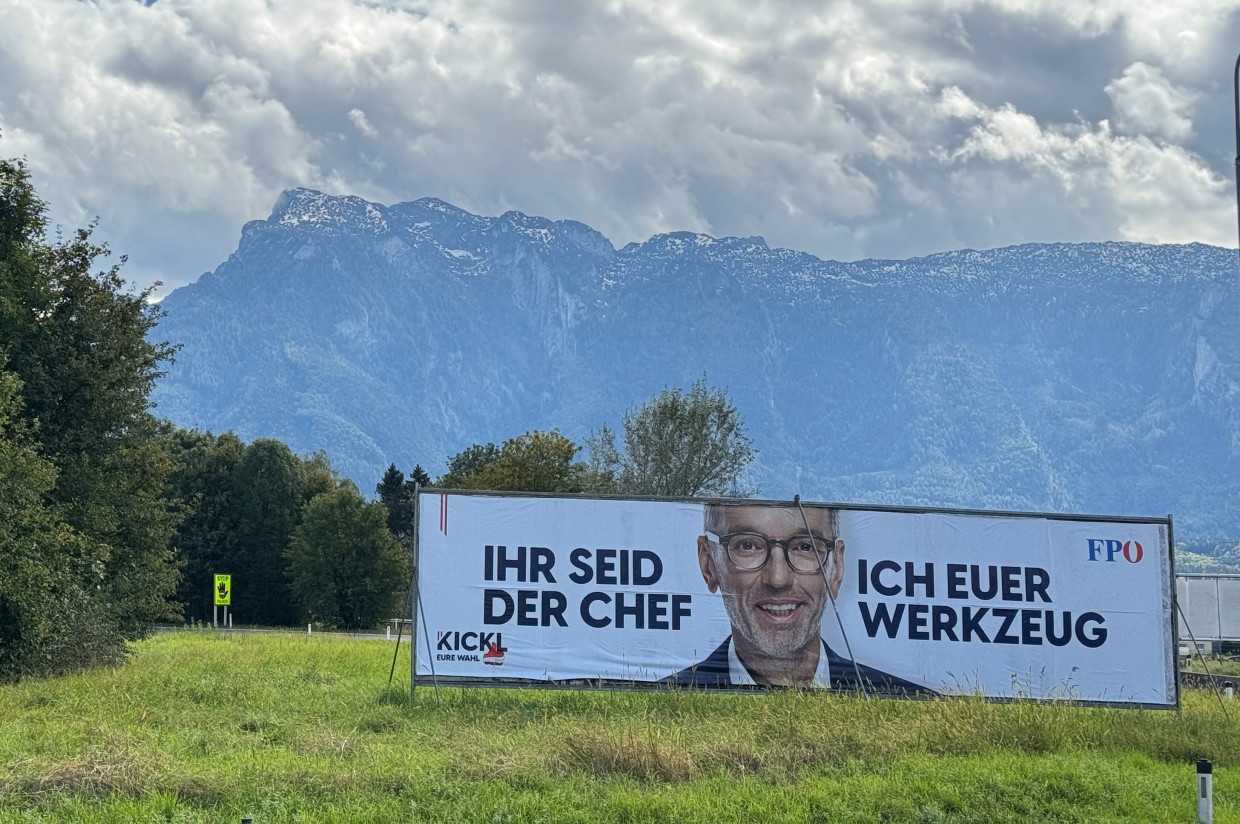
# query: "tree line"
302, 544
677, 444
112, 520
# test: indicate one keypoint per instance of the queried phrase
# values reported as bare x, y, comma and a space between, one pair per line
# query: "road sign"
223, 590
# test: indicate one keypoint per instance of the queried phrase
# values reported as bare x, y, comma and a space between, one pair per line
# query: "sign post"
223, 596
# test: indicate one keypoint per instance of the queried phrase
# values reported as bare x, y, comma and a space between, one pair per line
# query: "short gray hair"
713, 514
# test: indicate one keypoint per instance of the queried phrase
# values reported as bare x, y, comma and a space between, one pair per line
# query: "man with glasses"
776, 578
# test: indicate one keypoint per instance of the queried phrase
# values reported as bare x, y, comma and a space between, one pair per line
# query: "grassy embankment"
204, 727
1214, 666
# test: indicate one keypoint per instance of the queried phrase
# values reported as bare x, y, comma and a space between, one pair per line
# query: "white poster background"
1135, 664
452, 555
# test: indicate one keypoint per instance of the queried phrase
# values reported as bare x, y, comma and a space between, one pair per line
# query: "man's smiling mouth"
780, 611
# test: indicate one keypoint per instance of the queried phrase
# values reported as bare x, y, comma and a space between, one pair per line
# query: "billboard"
1210, 605
742, 593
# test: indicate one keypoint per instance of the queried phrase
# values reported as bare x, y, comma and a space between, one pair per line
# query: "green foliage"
346, 569
396, 495
201, 486
319, 476
240, 505
418, 476
80, 346
466, 463
1208, 555
269, 486
676, 444
37, 550
536, 461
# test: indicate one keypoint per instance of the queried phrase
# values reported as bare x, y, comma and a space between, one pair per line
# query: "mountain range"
1098, 377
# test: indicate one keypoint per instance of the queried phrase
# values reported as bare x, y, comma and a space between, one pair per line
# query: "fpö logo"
487, 647
1110, 550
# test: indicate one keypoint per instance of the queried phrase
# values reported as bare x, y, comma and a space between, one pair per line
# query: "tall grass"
200, 726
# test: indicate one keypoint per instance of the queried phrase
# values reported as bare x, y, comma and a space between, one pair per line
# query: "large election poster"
743, 593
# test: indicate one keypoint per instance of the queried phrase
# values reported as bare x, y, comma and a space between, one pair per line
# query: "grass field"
203, 727
1216, 666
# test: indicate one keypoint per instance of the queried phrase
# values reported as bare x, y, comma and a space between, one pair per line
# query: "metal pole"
425, 632
1175, 610
1218, 599
1236, 87
1204, 665
400, 629
418, 609
413, 592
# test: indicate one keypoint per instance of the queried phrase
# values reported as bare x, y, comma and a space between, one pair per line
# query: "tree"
346, 569
240, 505
201, 486
537, 461
418, 476
676, 444
318, 474
269, 491
37, 550
396, 495
81, 347
467, 462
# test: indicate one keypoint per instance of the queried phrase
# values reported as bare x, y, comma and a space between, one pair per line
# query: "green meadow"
204, 727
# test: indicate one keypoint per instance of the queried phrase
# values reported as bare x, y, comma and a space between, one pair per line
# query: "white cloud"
1146, 103
1159, 193
846, 128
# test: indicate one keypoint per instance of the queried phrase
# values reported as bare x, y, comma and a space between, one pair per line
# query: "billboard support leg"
425, 633
416, 608
400, 630
1205, 666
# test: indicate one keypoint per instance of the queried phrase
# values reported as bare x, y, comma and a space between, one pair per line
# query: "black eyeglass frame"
770, 543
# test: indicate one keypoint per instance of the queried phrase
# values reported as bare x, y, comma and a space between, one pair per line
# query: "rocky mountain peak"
310, 209
1094, 378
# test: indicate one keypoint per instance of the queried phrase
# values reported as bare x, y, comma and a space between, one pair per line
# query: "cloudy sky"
845, 128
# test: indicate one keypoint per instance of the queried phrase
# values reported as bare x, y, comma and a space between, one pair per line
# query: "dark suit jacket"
712, 672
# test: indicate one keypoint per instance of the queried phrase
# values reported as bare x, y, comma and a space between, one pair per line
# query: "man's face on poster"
771, 573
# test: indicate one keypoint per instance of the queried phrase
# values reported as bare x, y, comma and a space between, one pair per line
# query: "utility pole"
1236, 87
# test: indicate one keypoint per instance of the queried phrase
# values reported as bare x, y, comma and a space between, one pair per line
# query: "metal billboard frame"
1170, 651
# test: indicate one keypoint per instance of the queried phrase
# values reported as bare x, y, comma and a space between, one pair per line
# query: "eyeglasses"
750, 551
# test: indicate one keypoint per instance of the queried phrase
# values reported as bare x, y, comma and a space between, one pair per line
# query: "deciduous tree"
81, 344
269, 485
677, 444
467, 462
537, 461
38, 552
346, 569
201, 486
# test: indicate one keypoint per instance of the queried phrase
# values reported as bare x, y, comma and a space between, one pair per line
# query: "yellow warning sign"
223, 590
